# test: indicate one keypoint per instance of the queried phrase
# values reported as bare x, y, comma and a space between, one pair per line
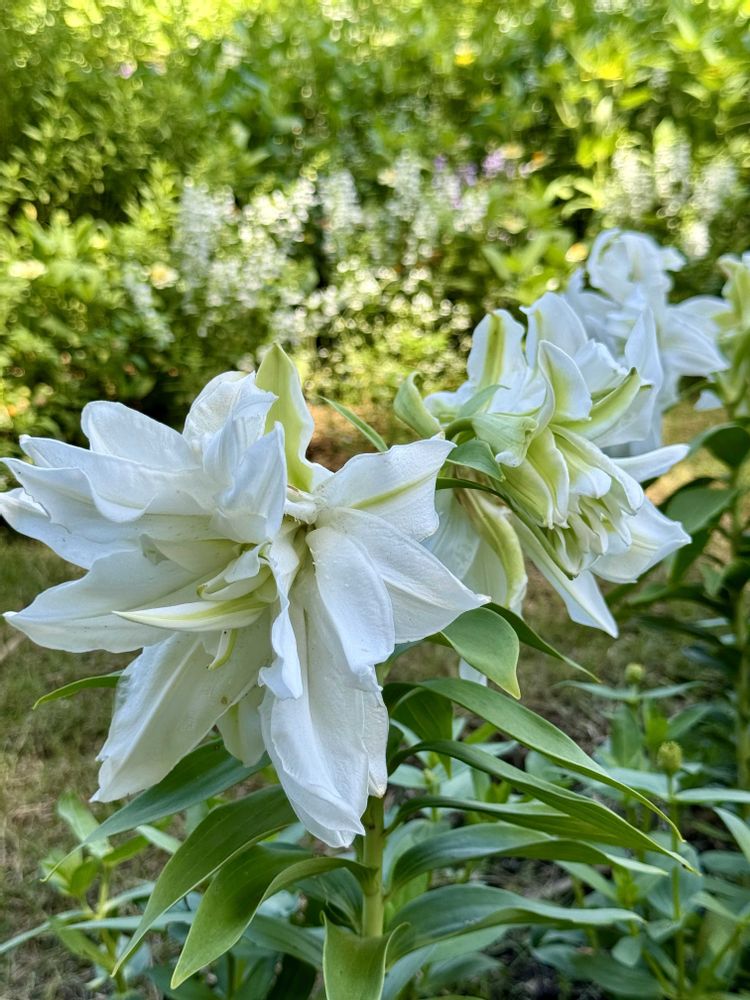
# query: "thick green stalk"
373, 909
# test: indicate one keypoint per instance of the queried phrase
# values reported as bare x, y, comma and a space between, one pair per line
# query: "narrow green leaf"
730, 443
160, 977
362, 426
68, 690
424, 713
489, 644
454, 483
738, 828
699, 507
222, 834
529, 637
207, 771
241, 885
534, 732
483, 840
712, 796
459, 909
354, 966
598, 822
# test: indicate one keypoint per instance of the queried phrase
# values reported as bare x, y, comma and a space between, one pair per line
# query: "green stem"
676, 903
373, 909
742, 640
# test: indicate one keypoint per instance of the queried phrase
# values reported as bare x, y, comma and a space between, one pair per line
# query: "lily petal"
355, 599
425, 596
328, 746
397, 485
653, 538
581, 595
78, 616
167, 701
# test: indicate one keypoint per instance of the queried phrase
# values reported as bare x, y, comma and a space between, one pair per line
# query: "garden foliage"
179, 186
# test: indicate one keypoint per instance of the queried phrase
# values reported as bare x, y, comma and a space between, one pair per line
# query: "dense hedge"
360, 179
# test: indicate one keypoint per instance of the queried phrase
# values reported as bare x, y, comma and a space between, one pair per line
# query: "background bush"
181, 182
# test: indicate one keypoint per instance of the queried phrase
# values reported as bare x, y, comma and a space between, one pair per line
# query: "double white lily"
263, 588
546, 402
630, 273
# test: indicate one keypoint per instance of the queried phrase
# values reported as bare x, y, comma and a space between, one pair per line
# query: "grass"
46, 752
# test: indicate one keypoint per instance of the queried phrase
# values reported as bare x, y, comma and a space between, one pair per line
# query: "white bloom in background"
263, 588
547, 402
631, 275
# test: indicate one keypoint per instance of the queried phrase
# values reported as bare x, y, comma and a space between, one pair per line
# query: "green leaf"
454, 483
354, 966
489, 644
68, 690
730, 443
459, 909
207, 771
78, 944
476, 455
226, 831
362, 426
710, 796
82, 822
240, 886
423, 712
594, 820
534, 732
738, 828
482, 840
275, 934
160, 977
699, 507
529, 637
410, 409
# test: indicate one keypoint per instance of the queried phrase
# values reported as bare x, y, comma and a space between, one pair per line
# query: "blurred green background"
181, 182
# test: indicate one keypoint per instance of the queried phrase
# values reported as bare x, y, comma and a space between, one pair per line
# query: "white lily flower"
547, 402
630, 273
263, 588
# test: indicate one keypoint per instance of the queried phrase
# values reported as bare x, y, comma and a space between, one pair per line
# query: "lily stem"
373, 909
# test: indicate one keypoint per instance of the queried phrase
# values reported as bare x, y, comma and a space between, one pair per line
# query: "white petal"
456, 541
355, 599
425, 595
328, 746
284, 675
228, 393
496, 352
167, 701
398, 485
552, 319
117, 430
29, 518
120, 489
240, 727
572, 397
653, 538
79, 616
653, 463
581, 595
252, 507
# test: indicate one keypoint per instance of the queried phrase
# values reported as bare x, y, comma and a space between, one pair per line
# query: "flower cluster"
629, 283
539, 407
263, 588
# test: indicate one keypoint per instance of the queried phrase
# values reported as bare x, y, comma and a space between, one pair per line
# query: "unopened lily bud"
634, 674
669, 757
